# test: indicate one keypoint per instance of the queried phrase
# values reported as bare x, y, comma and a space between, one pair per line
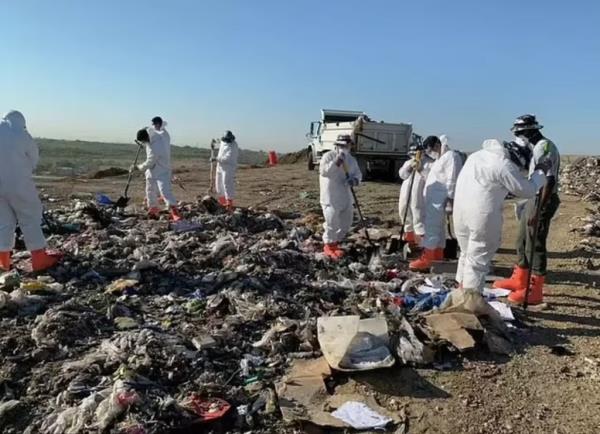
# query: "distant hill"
76, 157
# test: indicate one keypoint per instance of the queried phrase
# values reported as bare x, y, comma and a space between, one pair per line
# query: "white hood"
495, 146
16, 119
445, 144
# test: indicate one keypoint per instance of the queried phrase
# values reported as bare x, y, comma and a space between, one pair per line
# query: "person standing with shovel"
338, 172
227, 162
530, 270
411, 203
157, 168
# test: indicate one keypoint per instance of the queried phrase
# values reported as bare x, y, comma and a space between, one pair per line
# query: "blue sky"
264, 69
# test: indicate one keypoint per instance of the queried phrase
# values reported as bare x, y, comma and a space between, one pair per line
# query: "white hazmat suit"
414, 216
439, 187
227, 162
483, 184
336, 198
19, 201
158, 168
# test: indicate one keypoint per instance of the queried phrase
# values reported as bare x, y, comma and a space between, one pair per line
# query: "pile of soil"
108, 173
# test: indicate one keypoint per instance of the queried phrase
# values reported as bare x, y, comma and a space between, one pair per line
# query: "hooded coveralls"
414, 216
227, 162
483, 184
19, 200
336, 197
439, 187
158, 168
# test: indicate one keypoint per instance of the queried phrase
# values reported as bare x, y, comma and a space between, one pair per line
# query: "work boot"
5, 261
330, 250
438, 254
409, 237
175, 216
229, 205
338, 251
154, 213
536, 295
222, 200
42, 259
424, 262
516, 282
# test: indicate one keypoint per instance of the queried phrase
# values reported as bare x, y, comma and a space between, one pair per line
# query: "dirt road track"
535, 391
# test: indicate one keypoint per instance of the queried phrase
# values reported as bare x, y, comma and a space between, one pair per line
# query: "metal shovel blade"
122, 202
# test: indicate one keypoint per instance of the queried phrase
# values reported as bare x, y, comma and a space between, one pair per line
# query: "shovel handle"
137, 155
536, 227
360, 214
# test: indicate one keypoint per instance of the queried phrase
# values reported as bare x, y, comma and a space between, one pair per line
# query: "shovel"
124, 200
536, 227
373, 248
211, 186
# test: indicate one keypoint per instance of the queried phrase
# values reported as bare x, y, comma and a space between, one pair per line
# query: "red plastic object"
273, 159
210, 408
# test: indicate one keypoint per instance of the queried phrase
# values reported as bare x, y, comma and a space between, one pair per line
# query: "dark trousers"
540, 257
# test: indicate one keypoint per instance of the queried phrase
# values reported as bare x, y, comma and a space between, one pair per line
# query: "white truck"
378, 146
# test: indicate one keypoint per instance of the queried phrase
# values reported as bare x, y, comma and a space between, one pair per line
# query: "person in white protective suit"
483, 184
157, 168
414, 227
439, 197
338, 172
227, 162
20, 204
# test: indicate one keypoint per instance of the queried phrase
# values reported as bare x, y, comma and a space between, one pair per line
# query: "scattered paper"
504, 310
359, 416
496, 292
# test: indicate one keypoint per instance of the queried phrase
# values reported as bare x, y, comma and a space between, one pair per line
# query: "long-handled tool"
451, 248
211, 186
363, 222
124, 200
536, 228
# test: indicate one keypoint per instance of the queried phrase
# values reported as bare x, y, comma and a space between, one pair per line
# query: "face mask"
342, 150
433, 154
522, 141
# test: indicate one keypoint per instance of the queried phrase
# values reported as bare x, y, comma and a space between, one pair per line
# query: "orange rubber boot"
5, 260
424, 262
42, 260
516, 282
222, 200
153, 212
229, 204
409, 237
536, 295
330, 250
175, 216
438, 254
338, 251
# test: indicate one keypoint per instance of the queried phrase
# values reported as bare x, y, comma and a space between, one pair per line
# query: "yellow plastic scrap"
120, 285
33, 286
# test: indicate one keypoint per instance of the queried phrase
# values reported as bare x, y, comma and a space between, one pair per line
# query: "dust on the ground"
533, 391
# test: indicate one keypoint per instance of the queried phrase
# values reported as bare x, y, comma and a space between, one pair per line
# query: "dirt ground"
534, 391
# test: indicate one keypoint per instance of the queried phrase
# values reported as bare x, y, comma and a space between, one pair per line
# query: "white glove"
539, 179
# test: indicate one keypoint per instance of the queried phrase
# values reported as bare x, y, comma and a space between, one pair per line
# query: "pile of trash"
582, 178
227, 320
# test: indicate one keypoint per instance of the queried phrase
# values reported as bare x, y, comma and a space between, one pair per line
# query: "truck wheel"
311, 160
395, 166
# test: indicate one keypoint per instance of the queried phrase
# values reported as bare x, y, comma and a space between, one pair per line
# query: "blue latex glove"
353, 182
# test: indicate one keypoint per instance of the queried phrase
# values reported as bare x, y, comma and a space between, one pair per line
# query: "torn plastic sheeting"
351, 344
